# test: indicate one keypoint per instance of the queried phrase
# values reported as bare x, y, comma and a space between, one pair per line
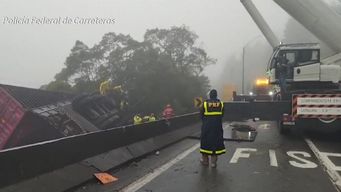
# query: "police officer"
282, 73
212, 141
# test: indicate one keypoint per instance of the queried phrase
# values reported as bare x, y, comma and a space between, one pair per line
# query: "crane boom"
261, 23
318, 18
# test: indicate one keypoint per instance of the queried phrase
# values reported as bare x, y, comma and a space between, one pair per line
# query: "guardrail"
21, 163
24, 162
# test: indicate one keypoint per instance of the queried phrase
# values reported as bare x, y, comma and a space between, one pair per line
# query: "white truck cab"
300, 63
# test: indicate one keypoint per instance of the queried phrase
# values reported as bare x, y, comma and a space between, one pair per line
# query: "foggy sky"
32, 54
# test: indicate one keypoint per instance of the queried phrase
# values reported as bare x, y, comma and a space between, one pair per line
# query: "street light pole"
243, 72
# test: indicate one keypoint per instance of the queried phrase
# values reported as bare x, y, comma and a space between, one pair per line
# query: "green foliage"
179, 44
165, 68
58, 86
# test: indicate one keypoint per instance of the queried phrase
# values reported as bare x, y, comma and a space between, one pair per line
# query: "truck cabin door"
308, 65
271, 68
284, 64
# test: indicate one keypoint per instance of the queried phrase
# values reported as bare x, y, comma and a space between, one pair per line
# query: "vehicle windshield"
272, 61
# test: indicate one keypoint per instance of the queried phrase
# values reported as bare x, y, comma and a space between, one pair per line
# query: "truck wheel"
283, 129
328, 127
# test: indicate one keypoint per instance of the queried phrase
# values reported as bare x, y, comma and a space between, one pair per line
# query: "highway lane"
272, 162
327, 148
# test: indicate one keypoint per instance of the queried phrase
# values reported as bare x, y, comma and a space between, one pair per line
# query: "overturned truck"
31, 115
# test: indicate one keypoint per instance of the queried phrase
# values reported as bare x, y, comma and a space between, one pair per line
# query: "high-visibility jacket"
152, 118
104, 87
149, 118
137, 120
212, 141
146, 118
213, 108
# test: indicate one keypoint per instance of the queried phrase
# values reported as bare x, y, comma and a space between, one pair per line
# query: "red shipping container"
11, 113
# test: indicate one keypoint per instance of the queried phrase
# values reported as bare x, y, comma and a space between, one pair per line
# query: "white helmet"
111, 81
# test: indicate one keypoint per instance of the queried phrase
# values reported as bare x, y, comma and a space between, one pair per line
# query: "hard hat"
110, 80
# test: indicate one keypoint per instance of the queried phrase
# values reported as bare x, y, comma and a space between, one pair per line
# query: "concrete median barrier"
131, 141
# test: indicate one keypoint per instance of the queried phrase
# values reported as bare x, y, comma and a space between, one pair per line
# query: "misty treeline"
256, 57
164, 68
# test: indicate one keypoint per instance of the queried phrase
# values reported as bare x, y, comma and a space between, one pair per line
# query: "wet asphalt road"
292, 166
273, 162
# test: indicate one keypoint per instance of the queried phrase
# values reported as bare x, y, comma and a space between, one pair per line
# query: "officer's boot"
214, 160
204, 159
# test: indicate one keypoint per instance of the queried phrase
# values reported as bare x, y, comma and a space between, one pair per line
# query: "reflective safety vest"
146, 118
149, 118
137, 120
152, 118
213, 108
104, 87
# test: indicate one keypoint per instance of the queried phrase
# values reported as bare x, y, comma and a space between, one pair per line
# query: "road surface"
273, 162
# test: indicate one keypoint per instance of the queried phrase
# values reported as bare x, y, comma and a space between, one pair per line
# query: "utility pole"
243, 71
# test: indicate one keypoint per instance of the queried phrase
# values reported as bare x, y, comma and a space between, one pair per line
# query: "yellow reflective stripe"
213, 113
221, 151
211, 152
205, 107
206, 151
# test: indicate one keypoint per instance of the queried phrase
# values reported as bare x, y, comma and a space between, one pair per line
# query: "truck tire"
283, 129
330, 127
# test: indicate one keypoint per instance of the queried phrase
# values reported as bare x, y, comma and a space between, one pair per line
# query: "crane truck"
309, 83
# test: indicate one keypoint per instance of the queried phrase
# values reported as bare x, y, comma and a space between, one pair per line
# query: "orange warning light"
262, 82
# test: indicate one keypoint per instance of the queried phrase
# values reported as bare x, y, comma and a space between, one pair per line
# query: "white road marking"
138, 184
328, 165
273, 158
306, 164
239, 153
332, 165
158, 171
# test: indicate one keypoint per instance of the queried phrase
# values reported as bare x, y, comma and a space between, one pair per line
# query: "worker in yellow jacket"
137, 119
149, 118
107, 87
152, 117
